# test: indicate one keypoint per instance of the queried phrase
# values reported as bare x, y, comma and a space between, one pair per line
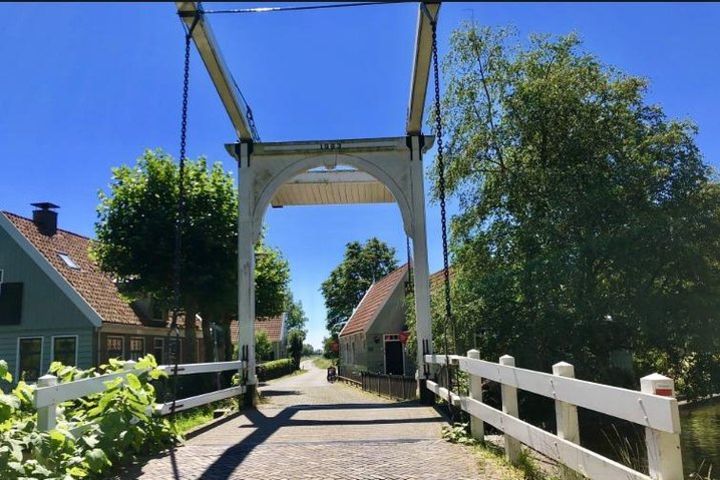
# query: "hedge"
274, 369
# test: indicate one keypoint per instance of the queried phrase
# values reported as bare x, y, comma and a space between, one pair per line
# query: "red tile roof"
373, 301
94, 286
272, 326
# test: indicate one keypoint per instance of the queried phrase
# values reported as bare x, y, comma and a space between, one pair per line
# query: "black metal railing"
395, 386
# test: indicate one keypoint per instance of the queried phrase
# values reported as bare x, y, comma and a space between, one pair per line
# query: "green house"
56, 304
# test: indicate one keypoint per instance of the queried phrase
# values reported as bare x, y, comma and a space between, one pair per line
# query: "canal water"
700, 438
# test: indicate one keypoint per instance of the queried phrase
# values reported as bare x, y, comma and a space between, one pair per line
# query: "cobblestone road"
307, 428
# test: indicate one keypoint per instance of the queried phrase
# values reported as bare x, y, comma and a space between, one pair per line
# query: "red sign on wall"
335, 346
404, 336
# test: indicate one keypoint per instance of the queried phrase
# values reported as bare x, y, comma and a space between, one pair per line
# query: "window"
11, 303
68, 261
64, 350
29, 358
137, 348
114, 347
159, 350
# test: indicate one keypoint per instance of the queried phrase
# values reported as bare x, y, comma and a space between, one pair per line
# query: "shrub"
93, 433
275, 369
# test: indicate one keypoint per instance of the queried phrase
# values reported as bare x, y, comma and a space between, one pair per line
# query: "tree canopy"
296, 317
588, 222
362, 264
135, 241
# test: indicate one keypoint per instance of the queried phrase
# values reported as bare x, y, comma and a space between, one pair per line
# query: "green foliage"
142, 205
329, 343
272, 276
296, 317
295, 346
362, 264
115, 426
308, 350
275, 369
458, 433
588, 222
263, 347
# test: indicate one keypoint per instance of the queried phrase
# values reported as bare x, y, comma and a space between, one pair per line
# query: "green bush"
275, 369
117, 425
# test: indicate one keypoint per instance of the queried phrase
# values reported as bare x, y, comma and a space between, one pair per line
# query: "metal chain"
180, 216
443, 215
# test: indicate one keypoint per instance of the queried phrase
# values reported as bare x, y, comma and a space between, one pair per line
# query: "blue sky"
85, 87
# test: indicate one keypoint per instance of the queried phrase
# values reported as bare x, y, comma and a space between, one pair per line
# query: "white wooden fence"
654, 407
49, 393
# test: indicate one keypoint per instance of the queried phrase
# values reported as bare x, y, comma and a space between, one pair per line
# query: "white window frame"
130, 350
107, 351
162, 346
52, 346
17, 354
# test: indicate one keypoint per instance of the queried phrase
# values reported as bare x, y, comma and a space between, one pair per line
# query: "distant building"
371, 339
276, 330
56, 304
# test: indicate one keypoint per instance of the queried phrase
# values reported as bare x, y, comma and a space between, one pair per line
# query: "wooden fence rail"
49, 394
654, 407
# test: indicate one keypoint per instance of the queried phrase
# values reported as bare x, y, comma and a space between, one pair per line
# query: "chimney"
45, 218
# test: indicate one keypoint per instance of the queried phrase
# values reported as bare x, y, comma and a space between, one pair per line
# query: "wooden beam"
237, 108
421, 66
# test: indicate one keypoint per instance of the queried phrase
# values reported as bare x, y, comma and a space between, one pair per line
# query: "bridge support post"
246, 265
423, 319
510, 406
664, 456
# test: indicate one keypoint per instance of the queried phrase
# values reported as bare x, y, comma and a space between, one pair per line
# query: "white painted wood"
47, 414
53, 394
660, 413
477, 428
191, 402
421, 68
582, 460
246, 258
233, 101
193, 368
442, 392
510, 407
664, 455
421, 269
566, 416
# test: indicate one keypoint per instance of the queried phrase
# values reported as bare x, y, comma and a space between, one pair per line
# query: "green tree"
263, 347
295, 346
362, 264
135, 242
588, 221
331, 346
296, 317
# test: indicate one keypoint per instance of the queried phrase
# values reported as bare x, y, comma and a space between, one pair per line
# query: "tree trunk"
189, 353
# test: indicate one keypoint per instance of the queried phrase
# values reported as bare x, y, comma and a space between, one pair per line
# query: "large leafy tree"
588, 221
296, 317
135, 242
362, 264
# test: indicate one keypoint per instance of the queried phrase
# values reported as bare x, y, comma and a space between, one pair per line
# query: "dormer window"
68, 261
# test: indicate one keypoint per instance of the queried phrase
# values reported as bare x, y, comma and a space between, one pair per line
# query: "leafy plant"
93, 433
458, 433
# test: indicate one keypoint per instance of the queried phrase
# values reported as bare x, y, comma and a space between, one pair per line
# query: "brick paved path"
309, 429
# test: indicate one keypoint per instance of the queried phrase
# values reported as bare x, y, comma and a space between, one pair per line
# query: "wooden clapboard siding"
46, 310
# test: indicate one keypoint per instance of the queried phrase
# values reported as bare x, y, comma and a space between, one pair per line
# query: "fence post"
477, 427
47, 416
664, 456
510, 406
566, 416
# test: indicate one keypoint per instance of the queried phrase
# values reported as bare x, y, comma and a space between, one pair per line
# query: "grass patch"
322, 362
196, 417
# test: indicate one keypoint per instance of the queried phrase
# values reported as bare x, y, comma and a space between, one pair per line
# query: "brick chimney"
45, 218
